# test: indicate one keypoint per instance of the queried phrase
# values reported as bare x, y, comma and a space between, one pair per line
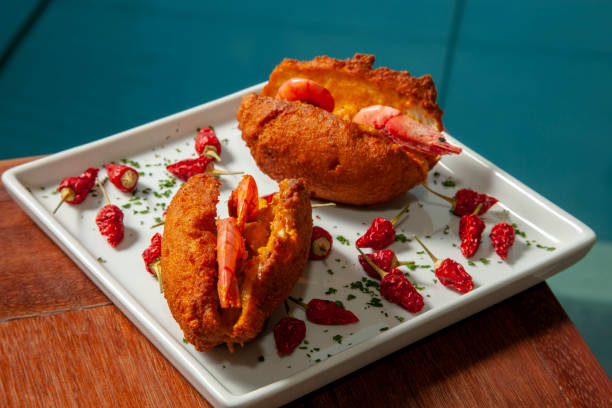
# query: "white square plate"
255, 374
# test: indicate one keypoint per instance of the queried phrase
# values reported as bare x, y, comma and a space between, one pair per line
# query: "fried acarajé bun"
354, 85
278, 242
342, 161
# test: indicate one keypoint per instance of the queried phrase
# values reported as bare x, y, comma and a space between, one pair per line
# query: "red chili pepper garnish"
320, 243
207, 144
465, 201
110, 221
289, 332
470, 233
152, 258
322, 311
381, 233
450, 273
190, 167
184, 169
396, 288
123, 177
502, 237
74, 190
384, 259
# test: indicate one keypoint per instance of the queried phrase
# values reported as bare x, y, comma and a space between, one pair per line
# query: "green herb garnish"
343, 240
401, 238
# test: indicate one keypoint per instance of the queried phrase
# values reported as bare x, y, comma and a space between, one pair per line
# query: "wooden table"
63, 343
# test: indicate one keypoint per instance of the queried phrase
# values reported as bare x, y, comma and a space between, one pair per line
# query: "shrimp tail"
244, 201
230, 250
407, 132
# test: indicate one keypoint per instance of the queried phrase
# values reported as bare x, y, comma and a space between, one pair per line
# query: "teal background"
524, 83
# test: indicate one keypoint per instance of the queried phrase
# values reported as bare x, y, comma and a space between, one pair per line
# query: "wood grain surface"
62, 343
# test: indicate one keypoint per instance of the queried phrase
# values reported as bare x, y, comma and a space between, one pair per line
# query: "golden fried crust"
189, 249
189, 254
354, 85
271, 275
341, 161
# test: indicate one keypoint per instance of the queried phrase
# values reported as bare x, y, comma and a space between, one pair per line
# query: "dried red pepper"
384, 259
207, 144
74, 190
465, 201
450, 273
470, 233
152, 258
322, 311
289, 332
320, 243
123, 177
110, 221
502, 237
381, 233
396, 288
184, 169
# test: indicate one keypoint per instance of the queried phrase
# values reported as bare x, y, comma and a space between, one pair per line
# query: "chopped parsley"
518, 231
101, 260
449, 183
329, 271
375, 302
350, 297
401, 238
545, 247
339, 303
485, 261
337, 338
260, 358
331, 291
382, 329
343, 240
417, 287
185, 341
167, 183
400, 319
471, 263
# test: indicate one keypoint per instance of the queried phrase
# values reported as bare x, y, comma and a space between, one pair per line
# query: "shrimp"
244, 202
230, 251
308, 91
376, 116
404, 130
